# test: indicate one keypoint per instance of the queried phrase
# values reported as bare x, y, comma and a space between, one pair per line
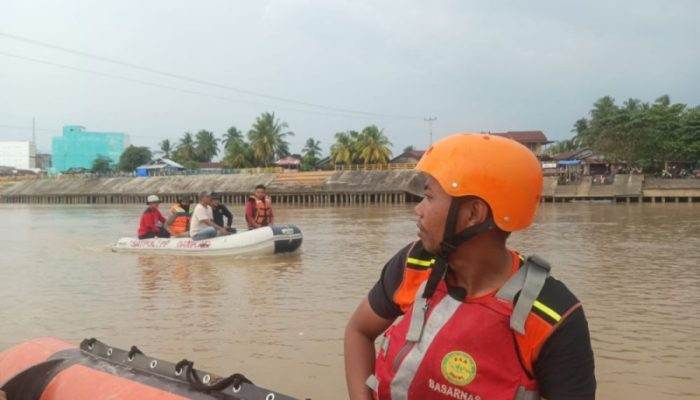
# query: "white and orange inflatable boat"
51, 369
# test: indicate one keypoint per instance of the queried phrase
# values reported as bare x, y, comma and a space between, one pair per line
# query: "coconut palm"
312, 151
232, 137
238, 155
312, 148
207, 146
343, 150
267, 138
166, 148
373, 146
186, 151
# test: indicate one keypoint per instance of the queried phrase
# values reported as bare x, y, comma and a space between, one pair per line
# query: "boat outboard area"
261, 241
51, 369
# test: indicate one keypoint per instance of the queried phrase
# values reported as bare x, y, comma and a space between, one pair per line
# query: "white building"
20, 155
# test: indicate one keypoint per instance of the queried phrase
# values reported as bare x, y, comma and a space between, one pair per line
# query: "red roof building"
533, 140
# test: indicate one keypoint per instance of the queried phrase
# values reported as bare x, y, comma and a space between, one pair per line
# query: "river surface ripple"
280, 319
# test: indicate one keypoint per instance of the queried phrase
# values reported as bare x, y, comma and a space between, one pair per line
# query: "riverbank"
321, 187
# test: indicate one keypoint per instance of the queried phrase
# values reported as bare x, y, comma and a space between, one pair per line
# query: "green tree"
238, 155
373, 146
343, 150
134, 156
186, 151
689, 138
562, 146
102, 165
166, 148
640, 134
312, 152
408, 148
267, 138
207, 146
232, 136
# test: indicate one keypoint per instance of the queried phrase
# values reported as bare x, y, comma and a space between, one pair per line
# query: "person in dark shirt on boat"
220, 211
151, 224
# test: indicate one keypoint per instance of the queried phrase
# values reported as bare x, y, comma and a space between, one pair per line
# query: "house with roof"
161, 166
292, 162
408, 157
533, 140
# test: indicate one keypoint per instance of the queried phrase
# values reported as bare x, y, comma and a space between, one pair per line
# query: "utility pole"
430, 120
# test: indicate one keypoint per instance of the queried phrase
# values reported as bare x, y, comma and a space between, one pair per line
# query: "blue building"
78, 148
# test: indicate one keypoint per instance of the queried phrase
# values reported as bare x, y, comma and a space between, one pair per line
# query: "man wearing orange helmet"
480, 322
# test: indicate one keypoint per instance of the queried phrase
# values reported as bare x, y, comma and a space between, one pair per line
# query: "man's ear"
473, 211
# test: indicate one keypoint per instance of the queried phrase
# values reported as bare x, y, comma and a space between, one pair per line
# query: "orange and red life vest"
471, 348
182, 220
262, 210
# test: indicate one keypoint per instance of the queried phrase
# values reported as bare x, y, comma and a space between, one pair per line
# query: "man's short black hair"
260, 186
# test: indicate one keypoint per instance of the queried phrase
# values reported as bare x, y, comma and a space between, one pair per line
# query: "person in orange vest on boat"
178, 224
151, 223
480, 322
258, 209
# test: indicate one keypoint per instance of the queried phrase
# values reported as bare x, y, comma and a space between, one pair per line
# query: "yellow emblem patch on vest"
458, 367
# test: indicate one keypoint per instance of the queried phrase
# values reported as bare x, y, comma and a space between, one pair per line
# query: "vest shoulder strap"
541, 303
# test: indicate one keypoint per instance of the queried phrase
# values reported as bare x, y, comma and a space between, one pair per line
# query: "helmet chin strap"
451, 240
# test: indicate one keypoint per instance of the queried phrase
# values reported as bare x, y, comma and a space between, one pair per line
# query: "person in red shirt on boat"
258, 209
152, 221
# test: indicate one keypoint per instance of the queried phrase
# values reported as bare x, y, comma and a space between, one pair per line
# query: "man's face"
432, 214
260, 193
153, 206
205, 200
215, 202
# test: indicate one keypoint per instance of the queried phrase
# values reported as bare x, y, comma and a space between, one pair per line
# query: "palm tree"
186, 151
238, 155
312, 149
267, 138
166, 148
373, 146
232, 137
343, 150
207, 146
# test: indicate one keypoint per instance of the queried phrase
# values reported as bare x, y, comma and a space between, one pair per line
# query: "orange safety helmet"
500, 171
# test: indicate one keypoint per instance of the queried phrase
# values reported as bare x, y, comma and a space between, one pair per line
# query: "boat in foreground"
52, 369
266, 240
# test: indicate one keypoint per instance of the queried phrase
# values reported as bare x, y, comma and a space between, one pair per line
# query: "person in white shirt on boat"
202, 224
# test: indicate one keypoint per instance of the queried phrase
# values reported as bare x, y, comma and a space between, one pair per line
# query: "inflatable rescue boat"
267, 240
51, 369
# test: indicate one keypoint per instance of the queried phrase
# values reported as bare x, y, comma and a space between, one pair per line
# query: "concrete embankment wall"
346, 187
322, 187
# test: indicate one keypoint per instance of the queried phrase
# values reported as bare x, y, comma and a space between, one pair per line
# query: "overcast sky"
475, 65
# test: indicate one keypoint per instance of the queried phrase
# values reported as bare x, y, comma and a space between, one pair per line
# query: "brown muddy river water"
280, 319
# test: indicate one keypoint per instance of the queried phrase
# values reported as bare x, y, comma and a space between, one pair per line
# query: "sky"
474, 65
